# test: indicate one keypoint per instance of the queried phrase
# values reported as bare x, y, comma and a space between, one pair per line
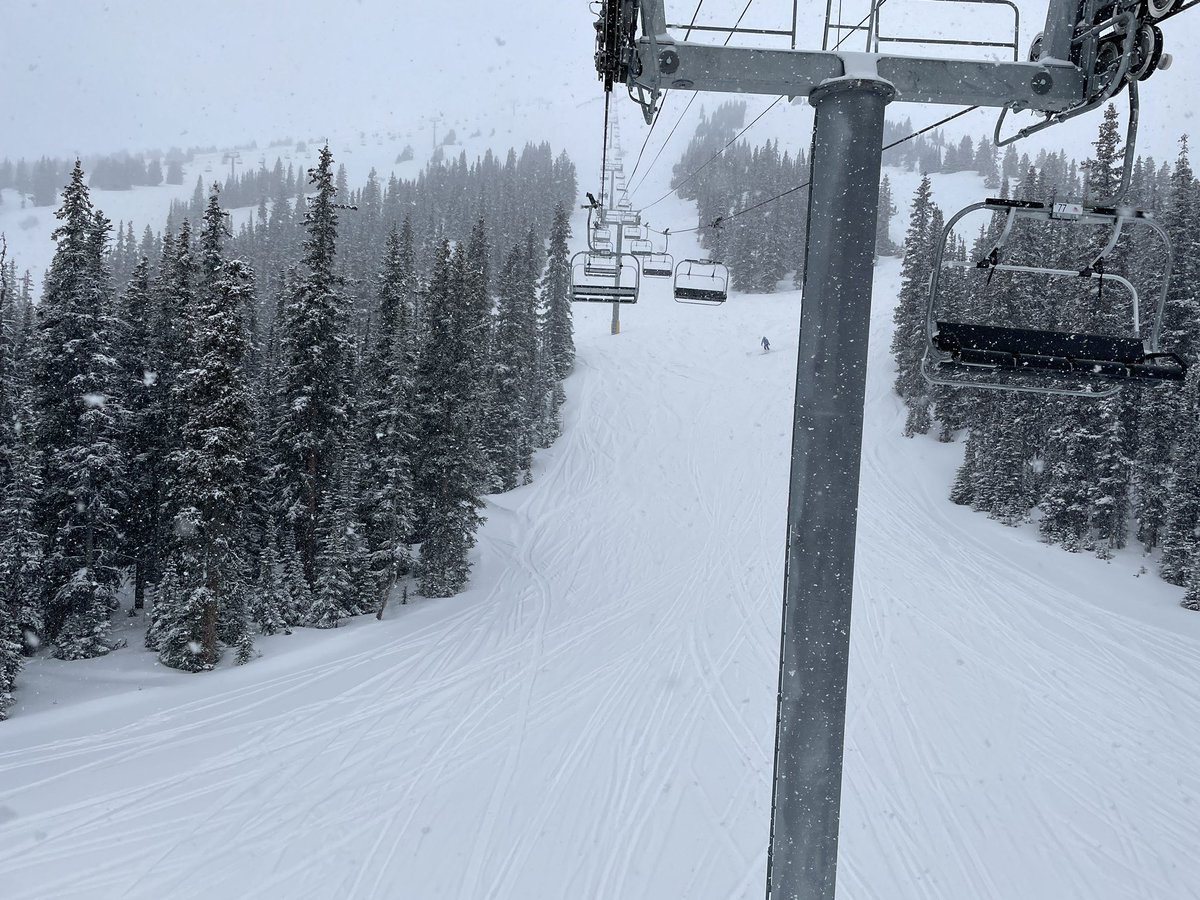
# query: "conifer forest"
238, 433
1093, 475
624, 450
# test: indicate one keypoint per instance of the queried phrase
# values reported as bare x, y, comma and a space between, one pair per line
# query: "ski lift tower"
1089, 49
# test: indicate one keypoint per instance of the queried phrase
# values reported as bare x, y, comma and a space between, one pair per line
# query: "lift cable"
731, 142
646, 140
737, 136
650, 168
728, 37
649, 132
604, 151
719, 221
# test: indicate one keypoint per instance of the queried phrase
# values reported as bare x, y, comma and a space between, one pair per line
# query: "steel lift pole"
850, 92
616, 307
831, 374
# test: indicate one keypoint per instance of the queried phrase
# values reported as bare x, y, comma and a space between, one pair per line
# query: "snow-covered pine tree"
211, 491
295, 585
342, 562
174, 293
908, 339
20, 541
476, 322
556, 327
386, 501
142, 438
1103, 171
514, 357
448, 461
1085, 489
10, 638
1162, 409
269, 599
315, 353
1180, 544
77, 421
884, 245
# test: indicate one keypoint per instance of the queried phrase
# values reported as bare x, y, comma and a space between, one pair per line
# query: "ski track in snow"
594, 718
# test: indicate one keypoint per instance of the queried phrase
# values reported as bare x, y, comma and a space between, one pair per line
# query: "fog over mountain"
96, 77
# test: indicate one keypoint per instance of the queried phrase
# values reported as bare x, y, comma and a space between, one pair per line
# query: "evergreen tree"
211, 491
556, 328
142, 438
884, 245
270, 600
1180, 542
316, 352
20, 553
1162, 409
78, 420
341, 568
448, 462
908, 340
1104, 170
386, 508
514, 362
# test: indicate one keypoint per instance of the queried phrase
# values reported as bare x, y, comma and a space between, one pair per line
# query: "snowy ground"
594, 717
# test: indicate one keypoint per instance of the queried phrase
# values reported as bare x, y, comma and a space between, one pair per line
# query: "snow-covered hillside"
594, 717
28, 229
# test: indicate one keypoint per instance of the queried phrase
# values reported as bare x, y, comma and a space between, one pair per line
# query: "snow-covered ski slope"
594, 717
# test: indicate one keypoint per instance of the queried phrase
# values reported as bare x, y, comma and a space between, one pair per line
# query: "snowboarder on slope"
766, 345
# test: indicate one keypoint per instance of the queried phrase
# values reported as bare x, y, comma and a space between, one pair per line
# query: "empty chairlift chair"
604, 278
601, 239
639, 247
658, 265
701, 281
1008, 354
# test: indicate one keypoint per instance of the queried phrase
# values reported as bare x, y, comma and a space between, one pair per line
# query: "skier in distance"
766, 345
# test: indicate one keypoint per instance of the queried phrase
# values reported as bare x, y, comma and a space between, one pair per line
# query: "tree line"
241, 450
1091, 473
764, 246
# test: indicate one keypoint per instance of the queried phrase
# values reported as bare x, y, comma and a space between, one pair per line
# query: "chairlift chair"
639, 247
601, 241
605, 278
601, 265
658, 265
1016, 357
701, 281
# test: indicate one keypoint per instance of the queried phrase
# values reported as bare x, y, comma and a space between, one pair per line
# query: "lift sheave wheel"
1018, 320
701, 281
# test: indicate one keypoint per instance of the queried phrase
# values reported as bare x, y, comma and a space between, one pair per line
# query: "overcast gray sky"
77, 75
87, 76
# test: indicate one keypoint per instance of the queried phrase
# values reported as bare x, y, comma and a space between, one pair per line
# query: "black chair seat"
602, 293
1032, 350
708, 296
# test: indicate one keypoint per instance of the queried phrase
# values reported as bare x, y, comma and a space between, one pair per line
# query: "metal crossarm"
1088, 50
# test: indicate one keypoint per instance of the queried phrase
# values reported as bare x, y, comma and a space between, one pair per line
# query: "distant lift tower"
1088, 50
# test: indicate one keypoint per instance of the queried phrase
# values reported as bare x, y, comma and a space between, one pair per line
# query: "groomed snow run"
594, 718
